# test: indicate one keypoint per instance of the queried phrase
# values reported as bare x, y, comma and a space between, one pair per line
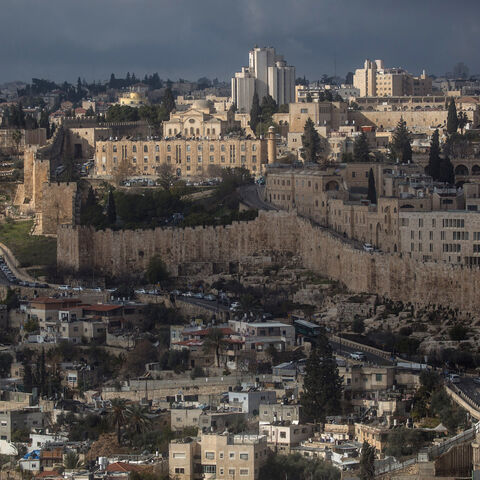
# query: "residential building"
249, 402
280, 412
375, 80
266, 74
282, 436
218, 456
259, 335
24, 419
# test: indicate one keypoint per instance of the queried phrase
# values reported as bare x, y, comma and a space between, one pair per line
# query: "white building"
267, 73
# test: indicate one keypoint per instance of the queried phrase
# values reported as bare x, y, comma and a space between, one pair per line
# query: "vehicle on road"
176, 292
477, 380
64, 287
358, 356
454, 378
96, 289
210, 297
78, 289
188, 294
140, 291
368, 247
198, 295
235, 306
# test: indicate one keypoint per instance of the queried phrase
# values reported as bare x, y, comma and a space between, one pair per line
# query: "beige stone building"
218, 456
375, 80
188, 157
200, 121
282, 436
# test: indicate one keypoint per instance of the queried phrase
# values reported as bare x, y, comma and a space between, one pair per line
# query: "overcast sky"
64, 39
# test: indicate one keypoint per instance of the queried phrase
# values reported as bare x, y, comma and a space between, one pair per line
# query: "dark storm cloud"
190, 38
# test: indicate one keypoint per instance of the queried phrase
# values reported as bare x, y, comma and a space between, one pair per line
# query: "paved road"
470, 388
209, 305
345, 351
251, 195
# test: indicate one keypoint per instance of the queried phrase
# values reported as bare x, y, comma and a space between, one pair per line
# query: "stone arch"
461, 170
476, 170
332, 185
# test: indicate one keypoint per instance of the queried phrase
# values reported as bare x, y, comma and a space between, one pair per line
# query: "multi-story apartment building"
187, 157
24, 419
249, 402
375, 80
267, 74
218, 456
282, 436
259, 335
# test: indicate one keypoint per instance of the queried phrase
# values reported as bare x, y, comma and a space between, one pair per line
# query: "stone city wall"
284, 236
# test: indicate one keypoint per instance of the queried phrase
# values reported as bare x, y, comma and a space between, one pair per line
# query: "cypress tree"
446, 172
255, 113
433, 167
400, 148
322, 385
452, 118
361, 150
168, 101
311, 143
372, 191
367, 462
111, 209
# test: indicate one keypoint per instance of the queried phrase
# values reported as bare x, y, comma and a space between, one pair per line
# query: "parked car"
188, 294
198, 295
454, 378
210, 297
78, 289
368, 247
140, 291
176, 292
358, 356
96, 289
64, 287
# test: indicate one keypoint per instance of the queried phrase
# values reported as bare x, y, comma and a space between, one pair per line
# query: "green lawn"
29, 249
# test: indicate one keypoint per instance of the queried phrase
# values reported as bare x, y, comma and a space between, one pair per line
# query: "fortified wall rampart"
279, 234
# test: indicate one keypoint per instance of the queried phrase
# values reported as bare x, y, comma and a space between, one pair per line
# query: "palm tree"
118, 415
214, 341
72, 461
138, 421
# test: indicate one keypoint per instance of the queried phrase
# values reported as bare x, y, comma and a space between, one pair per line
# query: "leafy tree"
45, 122
406, 441
122, 113
118, 416
311, 143
446, 172
372, 191
309, 98
157, 271
255, 112
11, 300
458, 332
452, 118
401, 148
269, 108
17, 138
111, 209
358, 326
322, 385
27, 378
91, 213
72, 461
367, 462
361, 150
434, 160
297, 467
462, 121
166, 176
215, 342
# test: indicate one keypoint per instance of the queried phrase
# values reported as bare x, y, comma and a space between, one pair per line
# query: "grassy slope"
29, 249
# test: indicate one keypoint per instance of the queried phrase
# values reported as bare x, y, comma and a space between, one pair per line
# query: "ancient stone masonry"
280, 235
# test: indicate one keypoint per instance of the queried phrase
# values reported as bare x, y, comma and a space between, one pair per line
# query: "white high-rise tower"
267, 73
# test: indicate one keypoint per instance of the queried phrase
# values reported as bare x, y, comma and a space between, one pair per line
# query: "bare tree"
124, 170
166, 176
